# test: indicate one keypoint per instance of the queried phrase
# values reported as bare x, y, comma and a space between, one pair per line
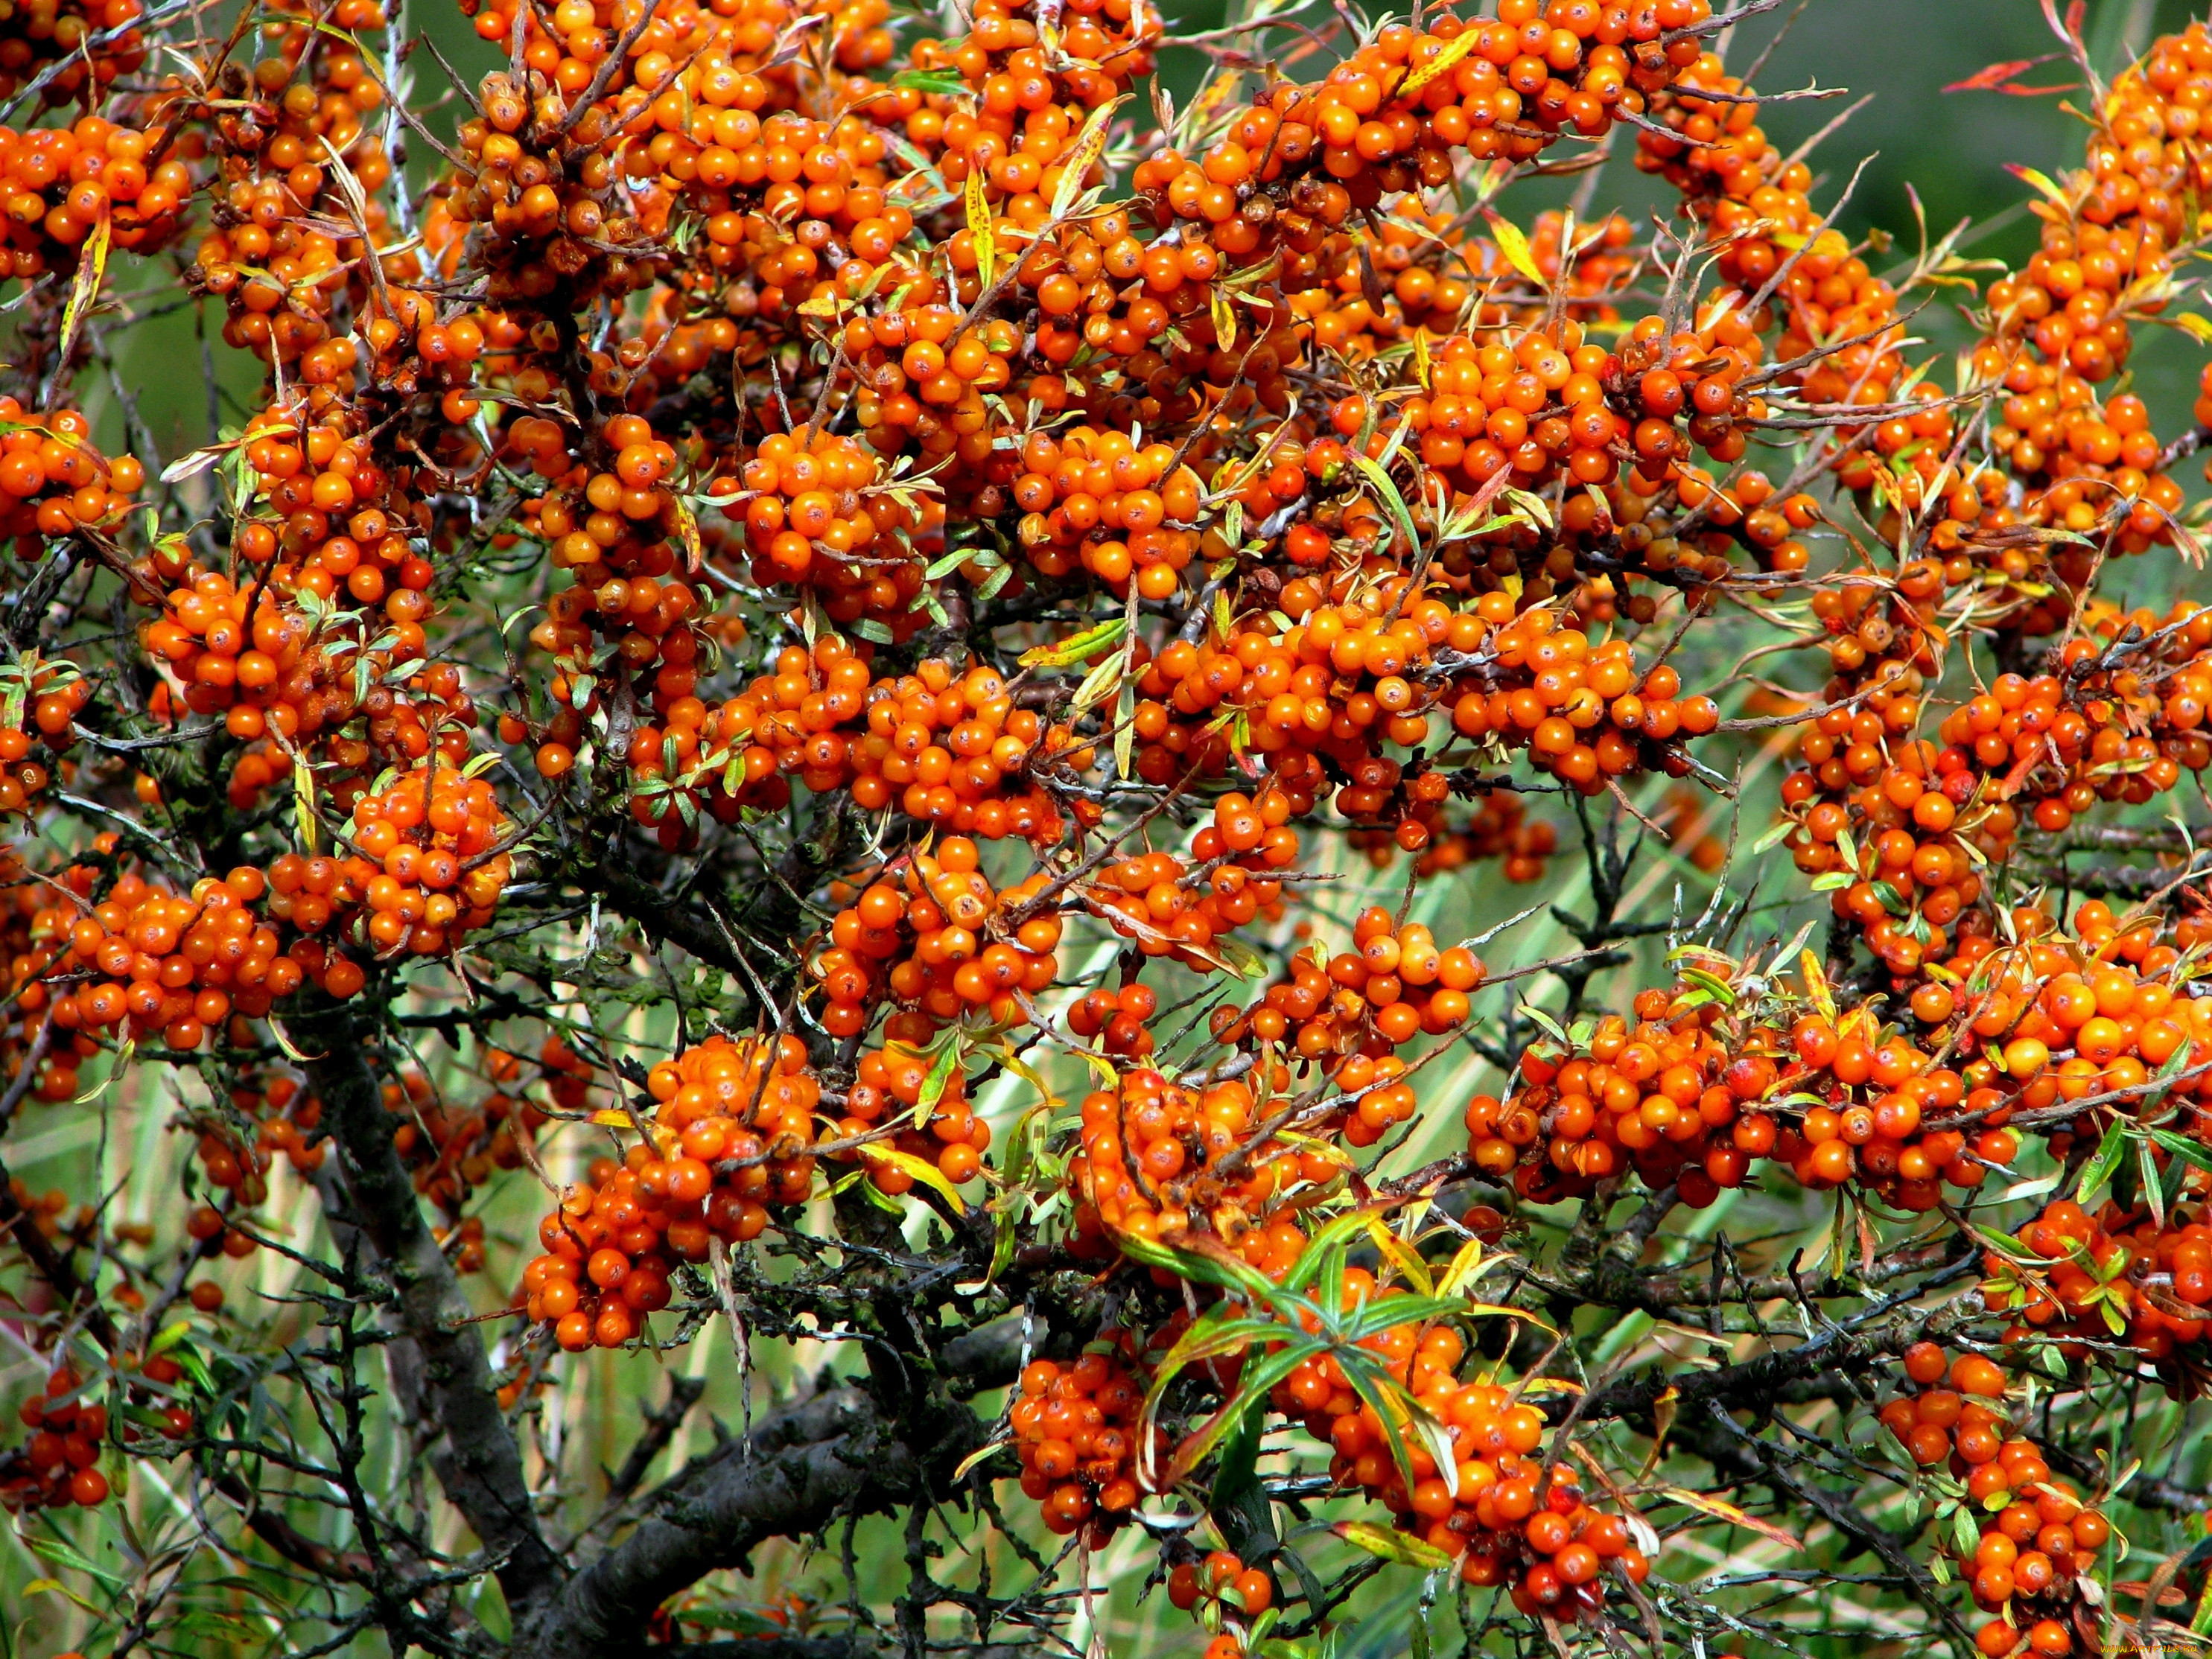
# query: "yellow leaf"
1662, 1420
687, 526
1004, 1054
303, 799
1729, 1513
919, 1168
1466, 1265
1314, 1146
1224, 322
978, 1455
1514, 245
1089, 144
1215, 95
980, 229
91, 270
1410, 1267
1421, 354
1441, 63
613, 1117
2042, 181
1816, 986
2197, 328
1077, 648
1392, 1544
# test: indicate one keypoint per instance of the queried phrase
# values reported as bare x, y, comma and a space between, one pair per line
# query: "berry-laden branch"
869, 676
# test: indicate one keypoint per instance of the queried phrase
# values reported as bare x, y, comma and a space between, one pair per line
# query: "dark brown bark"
478, 1462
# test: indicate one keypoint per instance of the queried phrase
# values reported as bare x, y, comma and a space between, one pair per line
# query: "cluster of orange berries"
610, 528
777, 191
1101, 501
1655, 1094
1115, 1020
1732, 178
1529, 77
938, 937
53, 479
58, 1466
1503, 1518
2036, 1538
2062, 324
2090, 731
2047, 1546
1157, 1159
1550, 408
52, 693
258, 672
730, 1133
1221, 1579
1691, 1099
541, 205
894, 1076
440, 863
1946, 1421
923, 372
1431, 274
36, 34
209, 1226
947, 747
1392, 985
145, 960
275, 254
816, 512
25, 957
1921, 817
1582, 710
58, 184
451, 1150
1156, 319
1157, 898
2118, 1276
1284, 693
1075, 1430
604, 1266
333, 520
1029, 100
232, 1164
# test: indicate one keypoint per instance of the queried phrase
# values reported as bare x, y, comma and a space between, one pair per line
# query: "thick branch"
803, 1464
479, 1465
799, 1469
